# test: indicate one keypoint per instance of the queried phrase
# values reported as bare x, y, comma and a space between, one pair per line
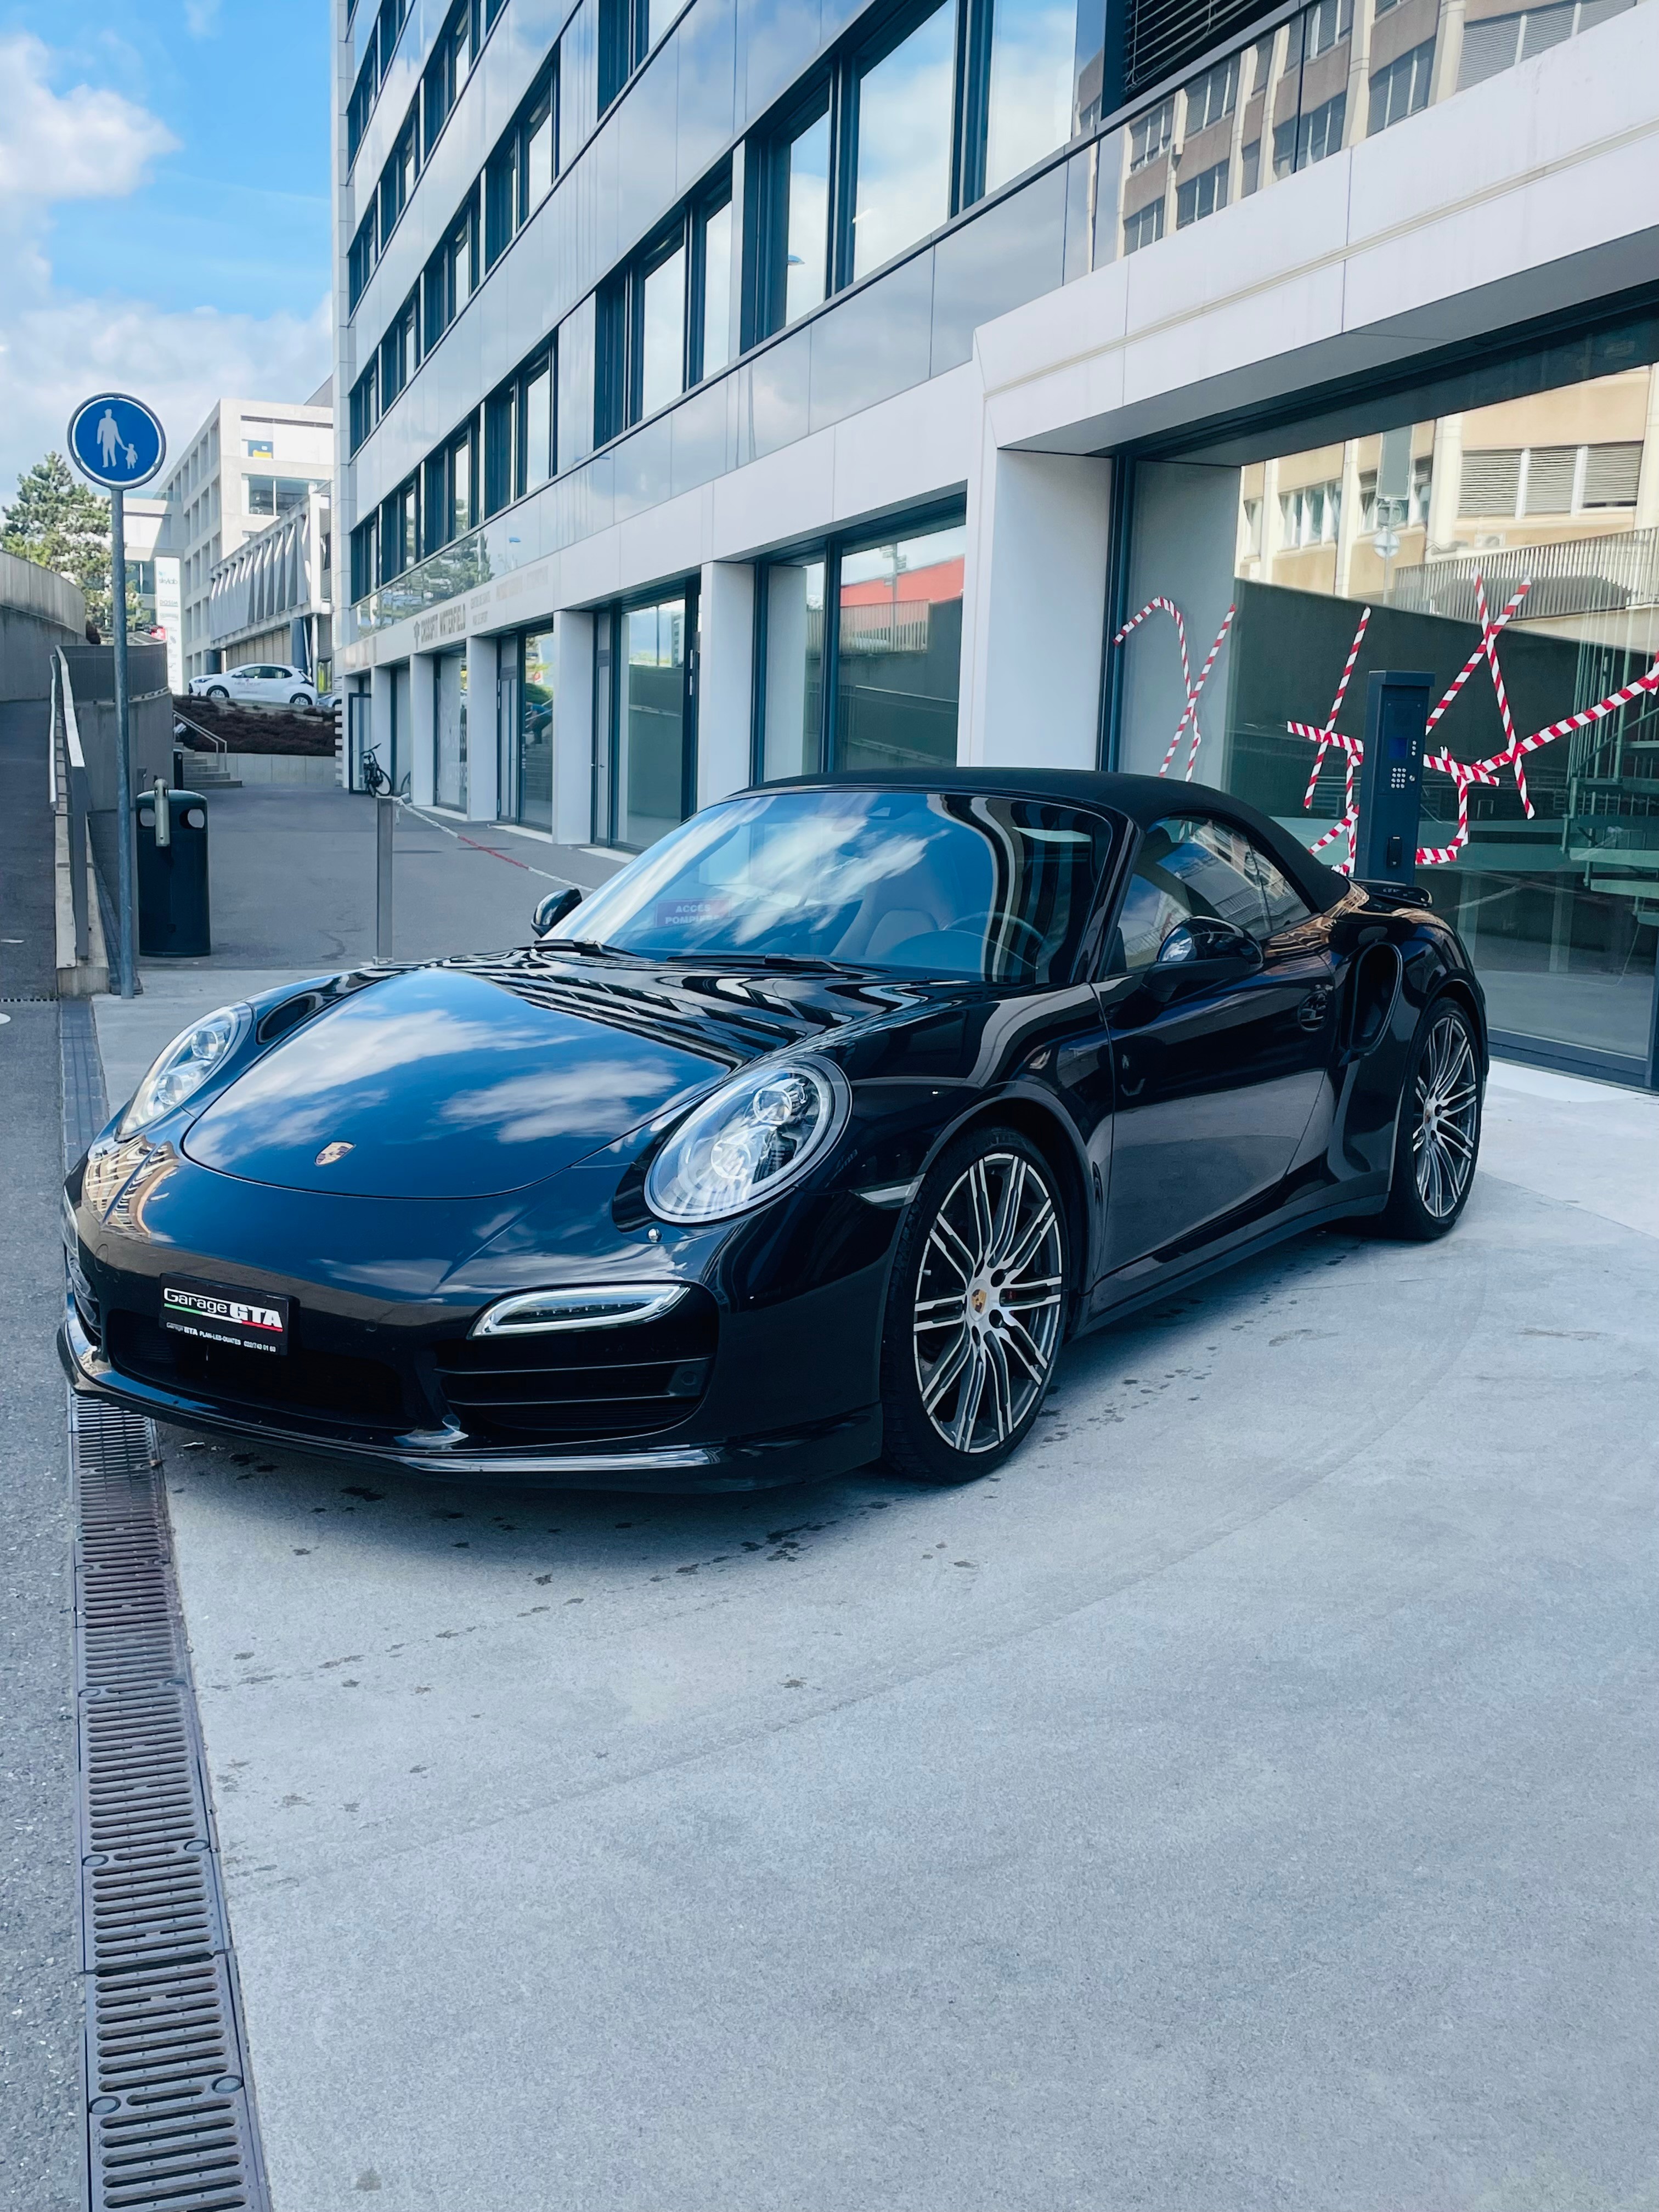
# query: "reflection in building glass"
899, 650
904, 102
806, 225
1561, 910
1033, 45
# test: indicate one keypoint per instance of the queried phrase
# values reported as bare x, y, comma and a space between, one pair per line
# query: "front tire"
975, 1310
215, 691
1439, 1139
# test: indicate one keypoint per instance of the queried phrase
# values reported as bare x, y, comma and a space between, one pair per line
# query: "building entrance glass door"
449, 732
652, 785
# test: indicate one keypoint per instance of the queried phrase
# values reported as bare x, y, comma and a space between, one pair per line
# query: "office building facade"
249, 462
758, 387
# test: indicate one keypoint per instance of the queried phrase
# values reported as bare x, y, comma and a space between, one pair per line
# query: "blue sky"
164, 208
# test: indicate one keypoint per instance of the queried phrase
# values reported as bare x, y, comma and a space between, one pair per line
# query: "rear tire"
301, 699
975, 1310
1439, 1139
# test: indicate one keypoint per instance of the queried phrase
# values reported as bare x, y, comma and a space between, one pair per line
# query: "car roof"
1143, 799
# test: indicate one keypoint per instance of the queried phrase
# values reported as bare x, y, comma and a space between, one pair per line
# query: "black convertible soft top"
1143, 799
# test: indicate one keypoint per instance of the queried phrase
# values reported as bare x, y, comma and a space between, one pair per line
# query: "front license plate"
256, 1320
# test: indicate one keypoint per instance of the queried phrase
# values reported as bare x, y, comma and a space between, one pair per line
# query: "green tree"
59, 523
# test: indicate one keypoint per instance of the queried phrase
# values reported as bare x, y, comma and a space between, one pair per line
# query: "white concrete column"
1034, 597
1647, 489
726, 675
573, 729
484, 750
1185, 530
1445, 485
1347, 527
422, 672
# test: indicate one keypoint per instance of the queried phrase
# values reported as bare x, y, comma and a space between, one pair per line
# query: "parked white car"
262, 680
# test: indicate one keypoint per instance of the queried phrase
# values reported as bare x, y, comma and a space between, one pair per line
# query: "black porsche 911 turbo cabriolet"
809, 1139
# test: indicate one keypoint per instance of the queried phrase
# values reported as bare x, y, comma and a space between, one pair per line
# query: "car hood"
476, 1077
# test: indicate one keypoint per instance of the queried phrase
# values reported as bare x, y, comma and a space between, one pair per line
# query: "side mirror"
1201, 950
1203, 938
553, 908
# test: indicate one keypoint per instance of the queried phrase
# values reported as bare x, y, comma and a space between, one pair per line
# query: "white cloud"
57, 346
201, 18
81, 144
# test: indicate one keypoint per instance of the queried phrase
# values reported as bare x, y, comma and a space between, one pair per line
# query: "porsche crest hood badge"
330, 1153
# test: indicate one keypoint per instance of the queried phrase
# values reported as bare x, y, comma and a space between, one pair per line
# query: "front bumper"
812, 1452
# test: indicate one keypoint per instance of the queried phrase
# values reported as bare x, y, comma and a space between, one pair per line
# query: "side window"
1193, 865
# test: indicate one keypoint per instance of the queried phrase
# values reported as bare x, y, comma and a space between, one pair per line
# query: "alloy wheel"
989, 1303
1447, 1099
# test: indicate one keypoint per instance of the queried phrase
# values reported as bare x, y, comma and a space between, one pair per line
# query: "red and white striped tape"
1160, 605
1462, 773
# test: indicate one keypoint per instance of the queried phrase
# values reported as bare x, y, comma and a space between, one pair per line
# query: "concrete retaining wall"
39, 612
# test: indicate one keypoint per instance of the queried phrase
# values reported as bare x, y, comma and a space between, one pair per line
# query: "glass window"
916, 883
1308, 138
536, 732
1150, 135
793, 723
1033, 45
904, 108
806, 218
1193, 865
1144, 227
899, 652
538, 154
717, 289
1496, 504
461, 482
1201, 195
261, 494
1401, 89
662, 333
449, 733
1212, 96
649, 783
538, 446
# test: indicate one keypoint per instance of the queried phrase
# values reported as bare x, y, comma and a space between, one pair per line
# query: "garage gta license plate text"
256, 1321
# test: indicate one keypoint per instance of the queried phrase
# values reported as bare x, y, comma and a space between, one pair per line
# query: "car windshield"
946, 884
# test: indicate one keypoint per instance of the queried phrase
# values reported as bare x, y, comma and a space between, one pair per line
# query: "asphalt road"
40, 2126
1245, 1801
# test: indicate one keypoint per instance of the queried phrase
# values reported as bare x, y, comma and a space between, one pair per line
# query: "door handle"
1314, 1008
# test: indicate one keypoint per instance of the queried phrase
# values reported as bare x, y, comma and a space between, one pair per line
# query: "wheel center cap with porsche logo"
330, 1153
977, 1301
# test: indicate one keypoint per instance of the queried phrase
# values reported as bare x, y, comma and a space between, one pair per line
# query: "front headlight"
186, 1065
753, 1137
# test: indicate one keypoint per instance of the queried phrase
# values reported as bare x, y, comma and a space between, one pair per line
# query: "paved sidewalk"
41, 2131
1245, 1801
292, 880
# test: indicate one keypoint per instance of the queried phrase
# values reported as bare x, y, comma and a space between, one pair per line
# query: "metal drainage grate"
170, 2122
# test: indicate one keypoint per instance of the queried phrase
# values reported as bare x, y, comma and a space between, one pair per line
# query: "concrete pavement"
1246, 1800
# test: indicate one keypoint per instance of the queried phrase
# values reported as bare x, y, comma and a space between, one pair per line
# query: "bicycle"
375, 779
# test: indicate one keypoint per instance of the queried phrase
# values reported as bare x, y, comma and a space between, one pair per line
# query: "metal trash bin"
173, 874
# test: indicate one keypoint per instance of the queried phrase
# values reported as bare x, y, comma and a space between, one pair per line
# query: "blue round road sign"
116, 441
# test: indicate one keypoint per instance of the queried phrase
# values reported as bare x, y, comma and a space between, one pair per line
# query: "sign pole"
126, 963
119, 443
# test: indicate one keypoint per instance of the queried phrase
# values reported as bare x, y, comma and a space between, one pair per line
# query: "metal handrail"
77, 798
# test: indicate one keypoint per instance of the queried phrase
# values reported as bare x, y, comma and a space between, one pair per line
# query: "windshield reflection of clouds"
796, 872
